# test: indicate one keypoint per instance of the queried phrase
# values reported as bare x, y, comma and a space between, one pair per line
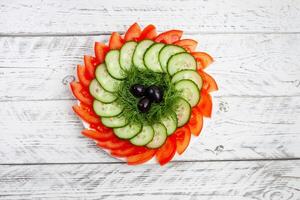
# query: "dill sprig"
146, 78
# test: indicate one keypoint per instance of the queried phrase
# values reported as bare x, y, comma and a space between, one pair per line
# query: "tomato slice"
169, 37
81, 93
149, 32
122, 152
141, 157
196, 122
90, 65
133, 33
113, 143
99, 126
99, 136
209, 83
166, 152
100, 51
188, 44
205, 104
183, 137
129, 151
203, 59
86, 114
115, 41
82, 77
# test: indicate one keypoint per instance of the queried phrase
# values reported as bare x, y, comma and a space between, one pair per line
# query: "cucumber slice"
126, 54
99, 93
107, 109
181, 61
170, 122
189, 91
144, 137
113, 65
106, 81
166, 53
151, 57
190, 75
114, 122
138, 56
183, 111
160, 136
128, 131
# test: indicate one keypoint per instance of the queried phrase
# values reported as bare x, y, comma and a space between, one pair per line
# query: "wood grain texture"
38, 68
49, 132
248, 150
263, 180
93, 17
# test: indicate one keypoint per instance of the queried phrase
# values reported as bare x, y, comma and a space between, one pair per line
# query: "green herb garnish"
147, 78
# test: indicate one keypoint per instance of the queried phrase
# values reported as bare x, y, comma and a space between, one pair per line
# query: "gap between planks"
176, 161
75, 34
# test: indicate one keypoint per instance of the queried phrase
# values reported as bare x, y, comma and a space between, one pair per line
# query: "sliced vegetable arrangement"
144, 95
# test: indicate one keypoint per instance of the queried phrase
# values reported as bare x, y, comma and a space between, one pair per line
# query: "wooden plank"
204, 180
38, 68
23, 17
241, 128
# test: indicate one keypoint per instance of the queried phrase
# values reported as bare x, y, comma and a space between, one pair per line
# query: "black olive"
137, 90
154, 93
144, 104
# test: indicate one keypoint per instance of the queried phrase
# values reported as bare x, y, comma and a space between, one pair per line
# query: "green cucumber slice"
113, 65
138, 56
160, 136
106, 81
189, 91
190, 75
114, 122
166, 53
144, 137
126, 54
107, 109
151, 57
99, 93
181, 61
170, 122
183, 111
128, 131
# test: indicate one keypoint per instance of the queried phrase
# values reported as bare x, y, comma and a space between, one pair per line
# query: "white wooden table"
250, 149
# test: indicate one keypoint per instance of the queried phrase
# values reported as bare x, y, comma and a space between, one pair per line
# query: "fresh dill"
146, 78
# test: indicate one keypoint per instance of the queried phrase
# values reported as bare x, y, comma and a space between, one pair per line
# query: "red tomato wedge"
100, 127
149, 32
99, 136
141, 157
209, 83
100, 51
205, 104
113, 143
115, 41
196, 122
169, 37
183, 137
203, 59
81, 93
133, 33
86, 114
81, 73
166, 152
188, 44
90, 66
129, 151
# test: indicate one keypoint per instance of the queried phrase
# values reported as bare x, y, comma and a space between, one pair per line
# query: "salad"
145, 94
